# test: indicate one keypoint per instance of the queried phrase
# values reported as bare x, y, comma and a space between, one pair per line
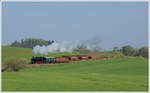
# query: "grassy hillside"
126, 74
14, 52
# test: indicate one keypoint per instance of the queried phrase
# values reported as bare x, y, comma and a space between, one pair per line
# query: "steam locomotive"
64, 59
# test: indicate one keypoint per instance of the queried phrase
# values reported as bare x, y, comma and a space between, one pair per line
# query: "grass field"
13, 52
122, 74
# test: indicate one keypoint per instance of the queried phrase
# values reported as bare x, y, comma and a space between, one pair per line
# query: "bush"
143, 52
112, 55
97, 53
116, 49
115, 55
14, 65
136, 52
83, 50
128, 50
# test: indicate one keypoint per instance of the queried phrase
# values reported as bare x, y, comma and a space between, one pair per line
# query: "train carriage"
50, 59
83, 57
74, 58
62, 60
92, 57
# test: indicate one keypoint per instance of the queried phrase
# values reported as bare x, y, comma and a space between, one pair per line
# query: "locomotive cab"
38, 60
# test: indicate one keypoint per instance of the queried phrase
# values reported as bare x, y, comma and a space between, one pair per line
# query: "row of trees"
31, 42
130, 51
125, 50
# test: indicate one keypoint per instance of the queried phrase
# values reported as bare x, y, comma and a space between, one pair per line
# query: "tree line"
125, 50
130, 51
31, 42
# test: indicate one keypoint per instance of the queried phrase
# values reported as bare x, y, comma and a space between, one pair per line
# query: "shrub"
136, 52
83, 50
115, 49
97, 53
14, 65
115, 55
143, 52
128, 50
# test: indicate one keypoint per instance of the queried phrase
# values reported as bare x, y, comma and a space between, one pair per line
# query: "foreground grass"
126, 74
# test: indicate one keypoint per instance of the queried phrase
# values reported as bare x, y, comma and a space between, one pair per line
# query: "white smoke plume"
92, 44
55, 47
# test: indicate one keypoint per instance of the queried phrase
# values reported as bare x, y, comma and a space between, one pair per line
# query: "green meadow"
118, 74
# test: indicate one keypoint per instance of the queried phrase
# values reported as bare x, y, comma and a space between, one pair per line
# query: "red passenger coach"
84, 57
92, 57
74, 58
62, 60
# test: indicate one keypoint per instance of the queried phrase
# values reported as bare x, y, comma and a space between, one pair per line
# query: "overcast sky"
116, 23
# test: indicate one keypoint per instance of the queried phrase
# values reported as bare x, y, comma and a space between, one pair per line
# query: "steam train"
63, 59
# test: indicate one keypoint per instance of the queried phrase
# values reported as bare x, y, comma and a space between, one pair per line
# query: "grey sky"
116, 23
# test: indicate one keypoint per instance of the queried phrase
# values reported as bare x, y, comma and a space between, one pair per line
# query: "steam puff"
55, 47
